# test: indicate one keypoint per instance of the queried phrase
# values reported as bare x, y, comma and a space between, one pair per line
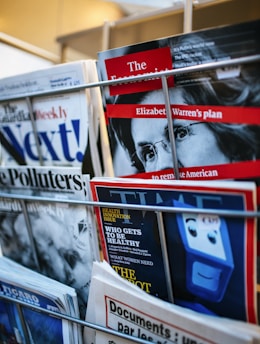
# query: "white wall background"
15, 61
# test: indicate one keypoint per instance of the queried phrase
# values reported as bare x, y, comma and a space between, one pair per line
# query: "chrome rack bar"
165, 256
221, 212
170, 126
184, 70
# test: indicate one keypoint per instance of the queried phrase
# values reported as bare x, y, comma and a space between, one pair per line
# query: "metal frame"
24, 198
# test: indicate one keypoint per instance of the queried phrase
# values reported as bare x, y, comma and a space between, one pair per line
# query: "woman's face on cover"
196, 144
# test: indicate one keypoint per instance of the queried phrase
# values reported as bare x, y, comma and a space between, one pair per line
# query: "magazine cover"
214, 132
35, 290
206, 262
57, 238
54, 128
150, 319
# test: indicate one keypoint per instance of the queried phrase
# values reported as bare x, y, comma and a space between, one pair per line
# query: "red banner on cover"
145, 62
207, 113
235, 170
248, 170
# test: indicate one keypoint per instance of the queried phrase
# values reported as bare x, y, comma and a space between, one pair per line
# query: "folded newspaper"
117, 304
35, 290
53, 129
54, 237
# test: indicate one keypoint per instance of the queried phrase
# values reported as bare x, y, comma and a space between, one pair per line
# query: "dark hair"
239, 142
121, 128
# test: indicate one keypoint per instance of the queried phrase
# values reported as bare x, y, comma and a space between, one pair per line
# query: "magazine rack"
91, 204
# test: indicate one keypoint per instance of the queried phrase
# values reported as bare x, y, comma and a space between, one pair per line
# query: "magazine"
191, 252
57, 238
152, 320
59, 129
35, 290
214, 130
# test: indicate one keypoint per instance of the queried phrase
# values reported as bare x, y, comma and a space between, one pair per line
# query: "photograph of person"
63, 245
143, 144
147, 144
14, 239
64, 248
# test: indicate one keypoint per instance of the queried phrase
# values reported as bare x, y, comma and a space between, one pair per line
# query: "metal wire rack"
24, 198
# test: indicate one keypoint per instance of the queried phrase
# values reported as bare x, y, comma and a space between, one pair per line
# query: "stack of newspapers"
49, 228
21, 322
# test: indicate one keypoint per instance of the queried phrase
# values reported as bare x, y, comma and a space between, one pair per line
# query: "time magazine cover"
205, 262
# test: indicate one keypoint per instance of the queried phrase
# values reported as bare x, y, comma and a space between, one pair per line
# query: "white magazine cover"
55, 237
119, 305
49, 128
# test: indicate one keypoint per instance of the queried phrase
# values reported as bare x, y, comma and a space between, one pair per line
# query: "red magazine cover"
203, 261
215, 132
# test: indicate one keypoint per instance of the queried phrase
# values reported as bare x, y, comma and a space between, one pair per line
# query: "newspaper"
55, 237
119, 305
52, 129
37, 290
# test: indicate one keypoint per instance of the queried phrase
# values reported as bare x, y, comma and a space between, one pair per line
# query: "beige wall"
39, 22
